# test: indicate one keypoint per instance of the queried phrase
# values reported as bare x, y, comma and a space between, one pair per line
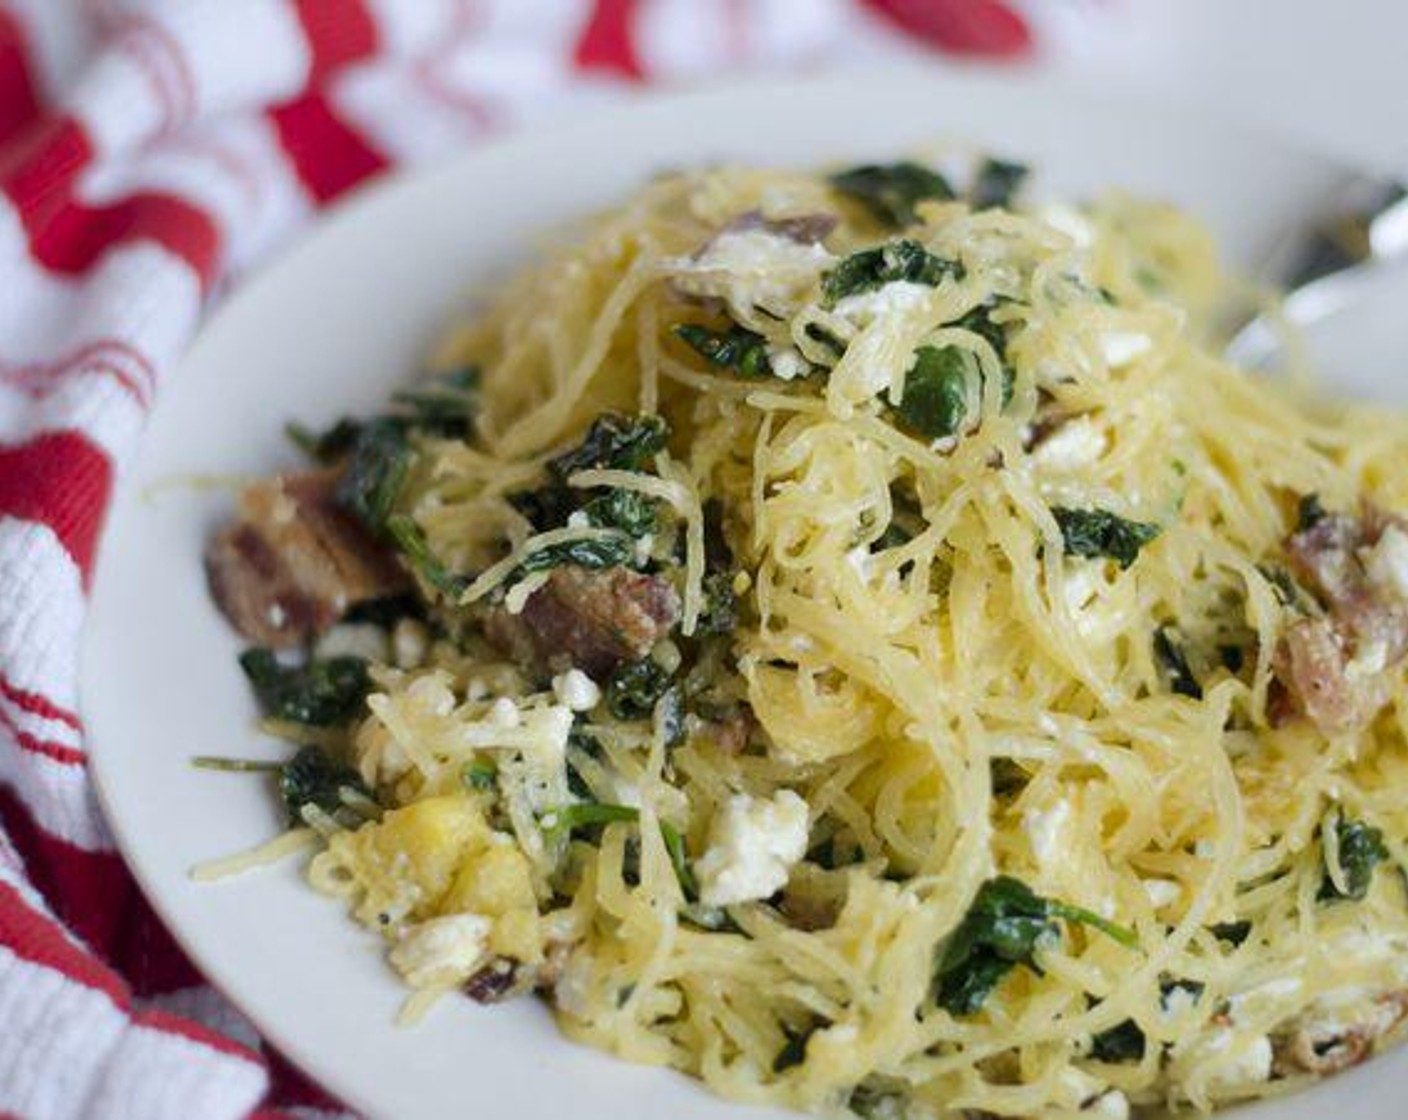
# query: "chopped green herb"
635, 687
1005, 926
324, 447
1098, 532
935, 401
443, 405
481, 774
1361, 849
614, 442
891, 191
595, 553
720, 612
1234, 933
1169, 651
737, 348
874, 268
679, 857
416, 549
628, 510
585, 814
997, 183
319, 693
310, 777
375, 472
1124, 1042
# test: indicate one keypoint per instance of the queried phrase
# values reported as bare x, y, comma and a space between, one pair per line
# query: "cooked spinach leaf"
376, 469
891, 191
635, 688
325, 447
720, 612
1361, 850
935, 401
614, 442
1004, 927
595, 553
794, 1050
1234, 933
547, 507
481, 774
885, 264
319, 693
997, 183
738, 349
1095, 533
311, 777
443, 405
628, 510
411, 542
1124, 1042
1168, 648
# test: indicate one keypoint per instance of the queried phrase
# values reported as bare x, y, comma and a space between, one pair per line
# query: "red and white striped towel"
150, 152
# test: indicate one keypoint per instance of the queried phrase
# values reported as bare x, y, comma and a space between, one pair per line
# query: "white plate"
328, 330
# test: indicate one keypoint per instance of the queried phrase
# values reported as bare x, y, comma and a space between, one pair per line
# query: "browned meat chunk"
589, 620
293, 561
1331, 668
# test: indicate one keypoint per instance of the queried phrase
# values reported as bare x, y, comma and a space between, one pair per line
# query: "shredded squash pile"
966, 771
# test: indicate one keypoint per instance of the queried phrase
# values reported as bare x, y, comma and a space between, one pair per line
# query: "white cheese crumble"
1387, 562
1112, 1104
503, 712
1077, 443
787, 363
1122, 347
578, 520
441, 951
752, 267
753, 843
894, 298
352, 639
1068, 220
576, 691
1162, 892
1044, 828
1236, 1066
410, 642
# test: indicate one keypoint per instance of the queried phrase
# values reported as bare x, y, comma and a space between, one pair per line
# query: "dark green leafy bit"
1234, 933
614, 442
720, 613
325, 447
444, 405
595, 553
1168, 648
481, 774
586, 814
874, 268
632, 512
872, 1103
634, 689
979, 320
738, 349
310, 777
1095, 533
1361, 850
891, 191
997, 183
935, 401
1124, 1042
794, 1050
548, 507
321, 693
1309, 512
1006, 924
416, 549
376, 469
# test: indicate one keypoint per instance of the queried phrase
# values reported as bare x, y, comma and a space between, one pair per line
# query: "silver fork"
1323, 266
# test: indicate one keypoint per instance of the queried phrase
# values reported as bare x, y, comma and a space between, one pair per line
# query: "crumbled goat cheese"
410, 642
753, 844
1067, 220
352, 639
643, 549
1112, 1104
503, 712
577, 691
752, 268
787, 362
1162, 892
1044, 828
1245, 1065
1387, 562
1077, 443
442, 950
578, 520
894, 298
1122, 347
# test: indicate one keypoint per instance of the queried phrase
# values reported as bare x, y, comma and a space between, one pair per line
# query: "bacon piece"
293, 561
1331, 668
1323, 1049
588, 620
